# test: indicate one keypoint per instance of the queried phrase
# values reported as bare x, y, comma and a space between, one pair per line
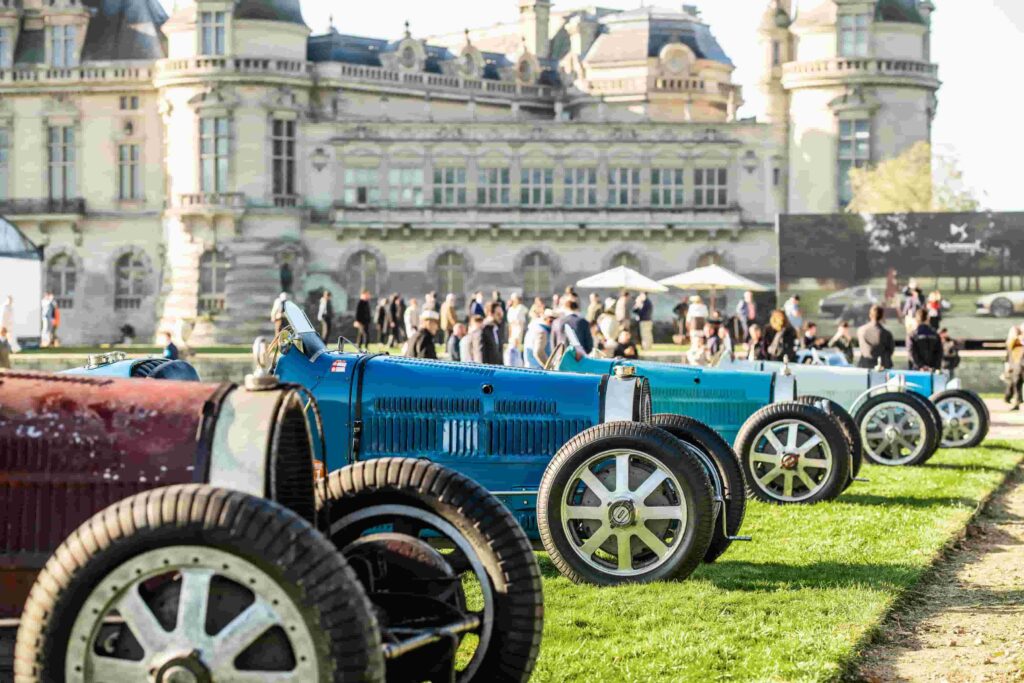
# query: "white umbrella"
621, 278
712, 277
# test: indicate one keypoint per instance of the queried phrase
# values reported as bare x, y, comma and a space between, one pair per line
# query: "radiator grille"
291, 461
525, 406
407, 404
148, 367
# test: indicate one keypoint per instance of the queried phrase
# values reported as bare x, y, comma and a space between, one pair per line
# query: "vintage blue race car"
117, 364
613, 494
791, 452
947, 415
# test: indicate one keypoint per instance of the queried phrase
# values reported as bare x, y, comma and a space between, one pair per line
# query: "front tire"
625, 502
793, 453
216, 584
424, 501
897, 429
727, 465
965, 418
850, 431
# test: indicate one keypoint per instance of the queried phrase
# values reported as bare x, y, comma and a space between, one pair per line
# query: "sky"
973, 41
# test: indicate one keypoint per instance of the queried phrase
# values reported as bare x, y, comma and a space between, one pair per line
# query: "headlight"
784, 388
627, 397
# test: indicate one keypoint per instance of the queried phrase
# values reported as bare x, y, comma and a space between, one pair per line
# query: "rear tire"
413, 495
850, 431
172, 558
593, 512
793, 453
897, 429
705, 438
971, 415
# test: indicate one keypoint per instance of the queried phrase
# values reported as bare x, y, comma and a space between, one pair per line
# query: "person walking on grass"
363, 320
1014, 367
574, 321
594, 308
7, 321
624, 310
644, 310
466, 343
411, 318
485, 343
380, 318
877, 344
277, 312
5, 349
537, 345
842, 341
517, 318
746, 313
454, 344
422, 343
325, 316
950, 352
448, 316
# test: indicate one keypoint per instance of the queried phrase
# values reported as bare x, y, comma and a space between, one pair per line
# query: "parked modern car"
1001, 304
611, 496
852, 303
161, 530
790, 452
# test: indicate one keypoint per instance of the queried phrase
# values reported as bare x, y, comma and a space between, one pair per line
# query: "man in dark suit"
574, 321
485, 344
876, 343
422, 345
924, 345
363, 320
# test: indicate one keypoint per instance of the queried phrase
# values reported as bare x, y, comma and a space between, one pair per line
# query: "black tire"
705, 438
1001, 308
936, 419
258, 533
899, 400
490, 530
984, 419
807, 420
693, 495
850, 431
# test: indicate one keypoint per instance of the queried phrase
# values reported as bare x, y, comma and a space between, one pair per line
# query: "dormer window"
853, 35
62, 46
211, 32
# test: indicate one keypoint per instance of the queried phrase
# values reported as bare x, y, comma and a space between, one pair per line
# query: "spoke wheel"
623, 512
625, 502
893, 434
259, 634
791, 461
793, 454
965, 421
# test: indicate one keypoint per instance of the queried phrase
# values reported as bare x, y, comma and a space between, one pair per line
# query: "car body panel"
721, 399
985, 303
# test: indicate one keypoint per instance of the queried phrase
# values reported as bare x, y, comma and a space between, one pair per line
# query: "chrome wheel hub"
893, 433
790, 460
623, 512
960, 421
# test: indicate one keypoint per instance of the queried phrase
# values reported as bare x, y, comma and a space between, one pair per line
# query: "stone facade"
190, 167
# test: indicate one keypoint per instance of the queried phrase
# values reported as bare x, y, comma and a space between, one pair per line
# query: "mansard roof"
641, 33
123, 30
899, 10
288, 11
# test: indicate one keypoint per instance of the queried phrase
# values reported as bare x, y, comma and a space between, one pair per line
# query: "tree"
915, 181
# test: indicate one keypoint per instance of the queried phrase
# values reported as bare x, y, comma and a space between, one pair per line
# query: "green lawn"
794, 605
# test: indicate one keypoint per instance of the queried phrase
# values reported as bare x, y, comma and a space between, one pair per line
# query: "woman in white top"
696, 314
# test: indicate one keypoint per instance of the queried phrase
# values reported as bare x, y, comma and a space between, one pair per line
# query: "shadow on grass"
1000, 446
776, 576
908, 501
971, 467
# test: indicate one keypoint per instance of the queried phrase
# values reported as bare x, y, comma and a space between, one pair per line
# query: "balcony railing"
283, 201
127, 303
211, 303
860, 67
205, 66
376, 74
27, 75
211, 200
42, 206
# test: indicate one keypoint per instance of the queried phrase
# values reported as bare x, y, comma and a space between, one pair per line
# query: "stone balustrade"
100, 75
427, 81
210, 200
211, 66
867, 68
43, 206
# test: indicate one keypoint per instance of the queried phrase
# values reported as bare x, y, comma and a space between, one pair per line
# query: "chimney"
534, 16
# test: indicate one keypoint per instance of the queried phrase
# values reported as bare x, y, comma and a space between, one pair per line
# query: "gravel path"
966, 622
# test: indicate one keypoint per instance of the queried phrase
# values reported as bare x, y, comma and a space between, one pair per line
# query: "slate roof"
899, 11
643, 32
124, 29
288, 11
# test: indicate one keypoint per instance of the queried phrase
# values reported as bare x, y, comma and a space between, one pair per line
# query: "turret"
777, 49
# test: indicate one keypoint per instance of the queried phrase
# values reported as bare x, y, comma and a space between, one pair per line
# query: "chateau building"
192, 166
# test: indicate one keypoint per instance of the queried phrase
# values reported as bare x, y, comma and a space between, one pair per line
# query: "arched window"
61, 279
213, 267
537, 276
451, 274
130, 281
626, 258
711, 258
363, 271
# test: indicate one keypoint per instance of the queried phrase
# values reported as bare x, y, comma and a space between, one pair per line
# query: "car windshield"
308, 340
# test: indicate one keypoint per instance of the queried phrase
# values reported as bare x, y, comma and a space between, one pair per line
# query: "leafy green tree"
914, 182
